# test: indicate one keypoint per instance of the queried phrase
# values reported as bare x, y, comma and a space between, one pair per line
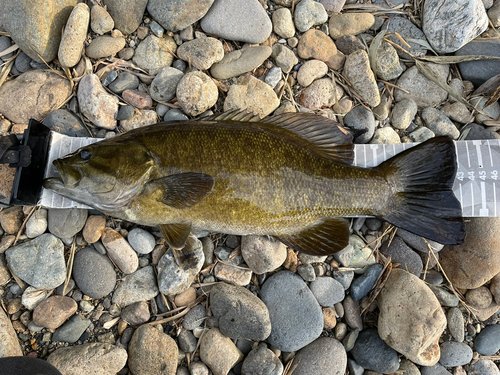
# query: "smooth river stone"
411, 319
9, 345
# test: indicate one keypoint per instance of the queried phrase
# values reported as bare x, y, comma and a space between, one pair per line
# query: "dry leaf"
111, 323
456, 59
488, 87
373, 50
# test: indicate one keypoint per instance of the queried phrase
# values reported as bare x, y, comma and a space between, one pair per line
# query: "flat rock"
90, 359
240, 61
465, 264
4, 271
154, 53
178, 14
71, 330
32, 297
136, 287
401, 253
261, 361
241, 20
439, 123
296, 317
195, 317
65, 122
241, 314
40, 92
9, 344
455, 354
423, 91
407, 30
327, 291
73, 37
450, 24
127, 14
324, 356
152, 351
96, 104
219, 352
141, 240
39, 262
104, 46
262, 254
284, 57
65, 223
196, 92
11, 219
36, 26
480, 71
101, 21
411, 319
252, 95
487, 342
315, 44
349, 24
94, 228
358, 72
120, 251
201, 53
52, 312
403, 113
310, 71
124, 81
388, 66
93, 273
139, 119
372, 353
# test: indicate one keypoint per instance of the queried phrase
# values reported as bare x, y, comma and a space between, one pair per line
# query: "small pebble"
141, 241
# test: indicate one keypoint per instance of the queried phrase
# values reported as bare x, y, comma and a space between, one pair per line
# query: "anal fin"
324, 238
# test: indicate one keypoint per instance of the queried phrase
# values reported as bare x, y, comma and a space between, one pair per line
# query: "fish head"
104, 176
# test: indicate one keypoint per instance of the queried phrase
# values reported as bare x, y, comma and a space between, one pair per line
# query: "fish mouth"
54, 183
70, 176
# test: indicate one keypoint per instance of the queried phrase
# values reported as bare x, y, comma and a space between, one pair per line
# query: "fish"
289, 176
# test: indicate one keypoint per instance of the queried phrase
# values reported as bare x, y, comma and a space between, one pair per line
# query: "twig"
21, 229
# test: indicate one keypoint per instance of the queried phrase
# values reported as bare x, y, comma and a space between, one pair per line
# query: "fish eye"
85, 155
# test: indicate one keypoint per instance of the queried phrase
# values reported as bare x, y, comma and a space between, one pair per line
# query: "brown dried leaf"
494, 97
373, 50
456, 59
488, 87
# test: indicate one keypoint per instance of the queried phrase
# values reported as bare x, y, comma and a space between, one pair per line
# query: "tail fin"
424, 203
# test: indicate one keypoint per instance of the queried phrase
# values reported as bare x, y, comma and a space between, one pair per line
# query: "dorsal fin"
320, 134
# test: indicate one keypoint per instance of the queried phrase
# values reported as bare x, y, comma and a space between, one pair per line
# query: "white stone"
96, 104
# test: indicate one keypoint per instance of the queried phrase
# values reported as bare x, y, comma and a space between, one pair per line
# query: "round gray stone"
124, 81
324, 356
93, 273
261, 361
141, 241
165, 83
487, 342
327, 291
66, 222
136, 287
361, 286
483, 367
372, 353
195, 317
455, 354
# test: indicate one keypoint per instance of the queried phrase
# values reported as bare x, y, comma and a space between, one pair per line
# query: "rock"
407, 30
127, 14
136, 287
73, 36
194, 318
96, 104
125, 81
26, 365
457, 112
174, 279
310, 71
492, 112
196, 92
327, 291
240, 61
320, 94
283, 23
39, 262
52, 312
65, 223
386, 135
361, 286
187, 341
262, 254
261, 361
483, 367
349, 44
104, 46
315, 44
152, 351
179, 14
437, 121
362, 121
241, 314
494, 14
4, 272
32, 297
119, 251
372, 353
164, 85
333, 5
139, 119
71, 330
388, 66
357, 70
94, 227
231, 274
402, 254
309, 13
9, 344
349, 24
289, 300
479, 72
154, 53
408, 308
219, 352
464, 264
11, 219
444, 297
495, 288
65, 122
201, 53
487, 342
456, 323
423, 91
137, 99
273, 76
446, 36
40, 92
403, 113
93, 273
100, 20
252, 95
417, 242
90, 359
241, 20
284, 57
437, 369
479, 297
141, 241
422, 134
455, 354
323, 356
36, 27
185, 298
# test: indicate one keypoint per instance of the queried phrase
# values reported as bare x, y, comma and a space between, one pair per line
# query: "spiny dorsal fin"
234, 115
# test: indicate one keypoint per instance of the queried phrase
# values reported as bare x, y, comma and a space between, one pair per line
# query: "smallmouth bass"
289, 176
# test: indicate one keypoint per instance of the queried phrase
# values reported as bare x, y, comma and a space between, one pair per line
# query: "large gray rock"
35, 25
39, 262
241, 314
65, 223
324, 356
480, 71
296, 317
127, 14
136, 287
93, 273
176, 15
154, 53
407, 30
450, 24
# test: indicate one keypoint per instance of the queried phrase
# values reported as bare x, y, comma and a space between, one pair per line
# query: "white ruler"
476, 184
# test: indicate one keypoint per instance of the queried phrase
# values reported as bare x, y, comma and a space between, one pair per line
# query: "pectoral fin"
184, 190
324, 238
176, 235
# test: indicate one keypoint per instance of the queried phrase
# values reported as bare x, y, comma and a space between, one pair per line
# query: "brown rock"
136, 313
196, 92
11, 219
40, 92
495, 288
9, 345
479, 297
94, 227
14, 306
104, 46
219, 352
127, 14
186, 297
477, 260
231, 274
485, 313
54, 311
329, 317
119, 250
320, 94
357, 70
137, 99
4, 271
315, 44
350, 24
411, 319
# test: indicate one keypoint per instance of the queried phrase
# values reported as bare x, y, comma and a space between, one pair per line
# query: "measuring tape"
476, 183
